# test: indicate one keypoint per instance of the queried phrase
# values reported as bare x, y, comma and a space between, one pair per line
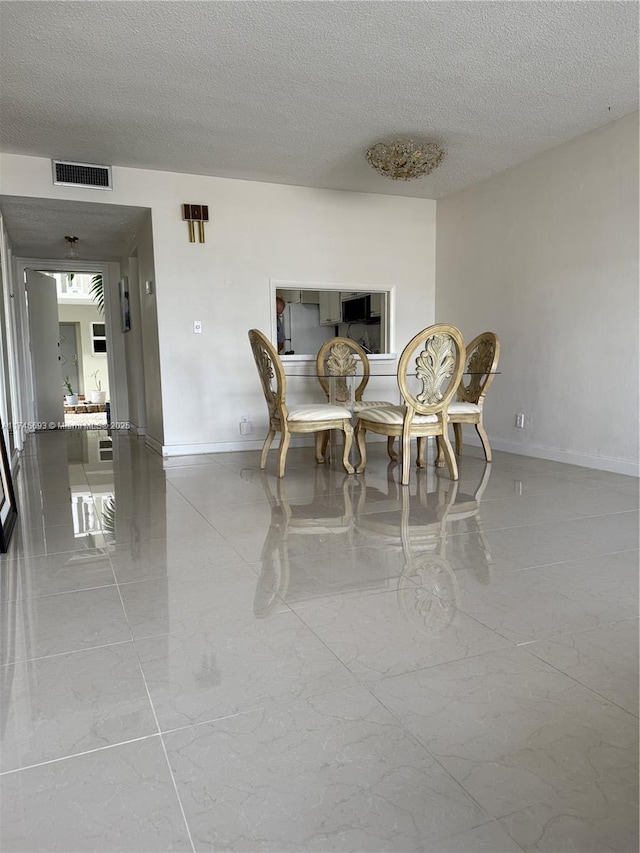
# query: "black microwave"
356, 309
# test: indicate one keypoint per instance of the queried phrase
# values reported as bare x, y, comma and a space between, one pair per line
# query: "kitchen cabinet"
330, 307
305, 297
377, 301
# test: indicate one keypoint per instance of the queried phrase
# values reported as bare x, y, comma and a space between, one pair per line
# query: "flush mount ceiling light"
72, 247
405, 159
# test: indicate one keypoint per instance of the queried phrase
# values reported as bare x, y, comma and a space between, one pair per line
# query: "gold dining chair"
337, 360
306, 418
429, 372
483, 354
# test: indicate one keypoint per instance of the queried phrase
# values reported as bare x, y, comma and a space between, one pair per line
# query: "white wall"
144, 380
257, 232
546, 255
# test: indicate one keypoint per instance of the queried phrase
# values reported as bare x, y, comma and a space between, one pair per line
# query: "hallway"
197, 656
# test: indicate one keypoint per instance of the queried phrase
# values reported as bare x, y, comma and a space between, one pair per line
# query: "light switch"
197, 327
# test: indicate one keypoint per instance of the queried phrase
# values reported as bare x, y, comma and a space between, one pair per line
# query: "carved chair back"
430, 368
339, 357
483, 354
271, 373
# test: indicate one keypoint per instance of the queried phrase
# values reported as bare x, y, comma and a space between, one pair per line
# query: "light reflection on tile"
53, 624
202, 589
379, 636
223, 668
176, 605
67, 704
31, 576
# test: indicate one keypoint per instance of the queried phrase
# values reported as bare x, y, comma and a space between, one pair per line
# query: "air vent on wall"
66, 174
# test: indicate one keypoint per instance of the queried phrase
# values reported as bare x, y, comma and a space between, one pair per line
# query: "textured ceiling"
293, 92
37, 227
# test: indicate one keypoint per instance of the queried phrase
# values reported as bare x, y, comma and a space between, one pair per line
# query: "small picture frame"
125, 308
8, 507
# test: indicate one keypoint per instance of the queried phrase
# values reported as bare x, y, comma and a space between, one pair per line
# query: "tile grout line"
155, 717
368, 686
69, 652
78, 754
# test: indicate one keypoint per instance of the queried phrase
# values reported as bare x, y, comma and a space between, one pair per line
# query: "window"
98, 339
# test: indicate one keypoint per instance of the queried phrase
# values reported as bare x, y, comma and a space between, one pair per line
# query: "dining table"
304, 386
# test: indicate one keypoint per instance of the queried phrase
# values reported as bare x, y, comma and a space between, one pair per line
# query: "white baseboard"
538, 451
253, 444
153, 444
600, 463
229, 446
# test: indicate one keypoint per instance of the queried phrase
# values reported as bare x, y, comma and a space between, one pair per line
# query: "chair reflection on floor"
465, 532
427, 587
304, 527
409, 527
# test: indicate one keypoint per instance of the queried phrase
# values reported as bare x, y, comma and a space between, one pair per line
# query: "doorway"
72, 375
82, 332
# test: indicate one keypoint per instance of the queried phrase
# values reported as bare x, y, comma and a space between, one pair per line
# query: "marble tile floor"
198, 656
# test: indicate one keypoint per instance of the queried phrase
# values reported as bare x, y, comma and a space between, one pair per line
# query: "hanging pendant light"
72, 247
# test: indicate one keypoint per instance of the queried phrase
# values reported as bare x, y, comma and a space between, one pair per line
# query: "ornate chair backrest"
339, 357
483, 354
274, 383
430, 368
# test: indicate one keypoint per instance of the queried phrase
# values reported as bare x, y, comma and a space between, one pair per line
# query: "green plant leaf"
109, 519
96, 291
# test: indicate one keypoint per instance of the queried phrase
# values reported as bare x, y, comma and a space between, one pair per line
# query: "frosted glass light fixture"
72, 247
404, 159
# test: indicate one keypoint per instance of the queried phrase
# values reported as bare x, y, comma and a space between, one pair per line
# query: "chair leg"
265, 447
362, 447
422, 452
282, 452
449, 455
457, 430
390, 451
325, 443
484, 438
320, 445
439, 452
348, 438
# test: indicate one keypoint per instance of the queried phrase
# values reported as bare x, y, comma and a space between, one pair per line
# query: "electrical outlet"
197, 327
520, 420
246, 427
